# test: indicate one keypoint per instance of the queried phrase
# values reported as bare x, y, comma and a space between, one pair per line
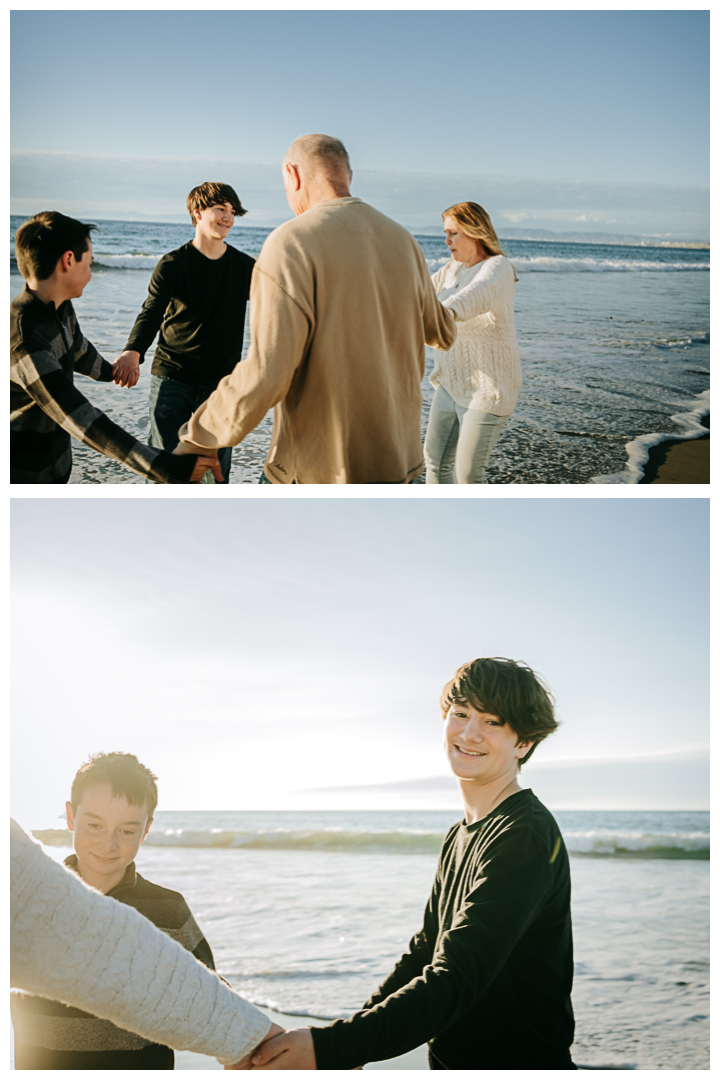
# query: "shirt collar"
129, 880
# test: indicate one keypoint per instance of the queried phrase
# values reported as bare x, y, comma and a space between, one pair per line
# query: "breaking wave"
593, 843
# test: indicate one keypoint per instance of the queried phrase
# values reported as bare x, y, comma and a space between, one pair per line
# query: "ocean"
306, 912
614, 342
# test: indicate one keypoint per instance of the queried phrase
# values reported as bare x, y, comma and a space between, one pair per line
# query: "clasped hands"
281, 1049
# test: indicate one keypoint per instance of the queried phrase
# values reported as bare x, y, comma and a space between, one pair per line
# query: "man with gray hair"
341, 307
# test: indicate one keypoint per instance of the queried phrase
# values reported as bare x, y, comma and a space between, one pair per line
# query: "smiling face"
215, 222
107, 832
480, 746
463, 248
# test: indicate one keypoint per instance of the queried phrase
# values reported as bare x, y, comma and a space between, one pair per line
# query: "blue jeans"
459, 441
172, 403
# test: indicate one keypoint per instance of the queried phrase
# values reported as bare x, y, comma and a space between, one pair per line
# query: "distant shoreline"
541, 236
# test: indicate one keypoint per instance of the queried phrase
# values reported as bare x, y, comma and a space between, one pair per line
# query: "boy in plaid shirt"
47, 347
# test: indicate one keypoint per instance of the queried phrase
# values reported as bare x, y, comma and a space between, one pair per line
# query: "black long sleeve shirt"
197, 305
487, 980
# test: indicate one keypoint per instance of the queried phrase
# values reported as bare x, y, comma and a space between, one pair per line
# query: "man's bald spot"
318, 156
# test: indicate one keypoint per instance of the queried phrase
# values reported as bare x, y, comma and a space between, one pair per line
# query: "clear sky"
600, 98
250, 648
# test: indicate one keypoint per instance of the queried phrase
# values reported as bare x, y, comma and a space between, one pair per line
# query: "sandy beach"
680, 461
416, 1059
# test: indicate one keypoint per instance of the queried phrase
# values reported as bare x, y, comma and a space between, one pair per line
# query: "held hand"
293, 1050
126, 369
202, 466
275, 1029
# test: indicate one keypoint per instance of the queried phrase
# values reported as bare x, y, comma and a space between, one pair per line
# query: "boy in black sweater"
487, 980
196, 300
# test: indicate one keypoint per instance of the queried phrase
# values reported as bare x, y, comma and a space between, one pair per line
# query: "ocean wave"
638, 451
638, 845
594, 843
549, 264
545, 264
139, 261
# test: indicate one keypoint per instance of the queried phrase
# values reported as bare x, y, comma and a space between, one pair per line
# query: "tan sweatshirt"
341, 306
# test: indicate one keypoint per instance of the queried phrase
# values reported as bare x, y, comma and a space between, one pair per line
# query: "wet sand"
680, 461
416, 1059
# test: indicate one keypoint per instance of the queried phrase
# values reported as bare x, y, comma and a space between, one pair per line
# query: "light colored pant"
459, 441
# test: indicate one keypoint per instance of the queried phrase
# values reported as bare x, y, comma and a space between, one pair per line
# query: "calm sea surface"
614, 342
307, 912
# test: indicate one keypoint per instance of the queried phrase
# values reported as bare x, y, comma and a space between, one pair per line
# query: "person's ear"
147, 830
69, 816
66, 261
291, 176
525, 747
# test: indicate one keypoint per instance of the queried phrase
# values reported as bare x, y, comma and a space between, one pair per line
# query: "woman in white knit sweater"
477, 381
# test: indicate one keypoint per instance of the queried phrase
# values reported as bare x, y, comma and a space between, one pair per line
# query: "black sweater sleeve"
510, 885
161, 290
419, 954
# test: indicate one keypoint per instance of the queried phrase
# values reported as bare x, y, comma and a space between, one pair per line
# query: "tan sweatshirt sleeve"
72, 944
439, 322
280, 332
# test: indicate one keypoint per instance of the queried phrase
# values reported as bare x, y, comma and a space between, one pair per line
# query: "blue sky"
523, 98
261, 647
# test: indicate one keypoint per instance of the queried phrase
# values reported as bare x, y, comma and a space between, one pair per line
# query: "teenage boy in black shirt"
196, 300
487, 980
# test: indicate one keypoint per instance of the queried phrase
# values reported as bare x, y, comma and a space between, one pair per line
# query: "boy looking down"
196, 301
47, 347
111, 806
487, 980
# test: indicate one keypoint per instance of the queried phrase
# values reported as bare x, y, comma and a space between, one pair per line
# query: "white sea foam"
638, 450
553, 265
550, 264
606, 842
126, 262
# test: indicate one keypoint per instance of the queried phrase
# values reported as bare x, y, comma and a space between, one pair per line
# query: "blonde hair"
475, 223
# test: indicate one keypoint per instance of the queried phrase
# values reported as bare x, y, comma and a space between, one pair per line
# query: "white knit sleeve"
485, 292
72, 944
439, 277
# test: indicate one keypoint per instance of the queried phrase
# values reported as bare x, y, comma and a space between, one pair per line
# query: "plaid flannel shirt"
46, 348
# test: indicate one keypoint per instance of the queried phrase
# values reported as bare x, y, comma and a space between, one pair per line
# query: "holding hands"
126, 369
281, 1050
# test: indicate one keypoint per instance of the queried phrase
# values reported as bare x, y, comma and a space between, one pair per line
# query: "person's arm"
438, 322
483, 293
280, 331
419, 952
41, 375
74, 945
162, 288
515, 881
86, 359
126, 369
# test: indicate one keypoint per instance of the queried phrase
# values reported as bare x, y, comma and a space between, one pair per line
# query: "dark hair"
508, 689
213, 193
125, 775
44, 238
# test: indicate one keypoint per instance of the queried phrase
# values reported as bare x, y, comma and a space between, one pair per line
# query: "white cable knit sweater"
482, 369
72, 944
